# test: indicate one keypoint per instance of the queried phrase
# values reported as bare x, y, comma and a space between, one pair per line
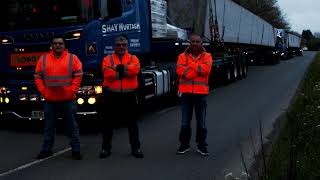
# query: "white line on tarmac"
33, 163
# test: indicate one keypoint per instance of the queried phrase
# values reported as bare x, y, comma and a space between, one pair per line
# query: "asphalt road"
233, 111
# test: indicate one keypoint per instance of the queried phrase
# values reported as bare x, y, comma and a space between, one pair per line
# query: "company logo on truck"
38, 36
280, 33
110, 28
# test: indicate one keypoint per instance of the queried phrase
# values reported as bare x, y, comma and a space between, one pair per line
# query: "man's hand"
120, 70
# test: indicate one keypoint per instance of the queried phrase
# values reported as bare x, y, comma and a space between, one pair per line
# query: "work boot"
44, 154
76, 155
183, 149
104, 153
202, 150
137, 153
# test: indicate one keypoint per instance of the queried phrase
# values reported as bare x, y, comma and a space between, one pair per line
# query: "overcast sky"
302, 14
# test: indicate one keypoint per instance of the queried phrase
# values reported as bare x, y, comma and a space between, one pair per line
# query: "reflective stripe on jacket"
129, 81
58, 79
193, 72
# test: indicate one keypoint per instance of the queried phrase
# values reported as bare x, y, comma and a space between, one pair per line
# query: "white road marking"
33, 163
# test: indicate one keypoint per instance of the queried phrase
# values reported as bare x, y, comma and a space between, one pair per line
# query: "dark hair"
56, 36
121, 38
195, 34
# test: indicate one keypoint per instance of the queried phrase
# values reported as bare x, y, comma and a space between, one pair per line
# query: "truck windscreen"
30, 14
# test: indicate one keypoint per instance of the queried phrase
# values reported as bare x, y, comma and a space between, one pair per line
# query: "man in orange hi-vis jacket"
193, 69
58, 76
120, 71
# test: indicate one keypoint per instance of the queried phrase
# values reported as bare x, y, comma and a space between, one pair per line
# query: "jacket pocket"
69, 93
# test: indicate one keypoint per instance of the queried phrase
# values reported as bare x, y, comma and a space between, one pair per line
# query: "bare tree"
268, 10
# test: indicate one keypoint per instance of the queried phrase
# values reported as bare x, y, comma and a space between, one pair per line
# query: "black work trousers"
190, 102
119, 109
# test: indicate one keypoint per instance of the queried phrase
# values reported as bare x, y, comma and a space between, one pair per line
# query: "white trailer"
238, 25
294, 44
294, 40
236, 35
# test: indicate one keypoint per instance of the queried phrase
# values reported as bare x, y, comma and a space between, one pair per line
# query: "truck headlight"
80, 101
4, 90
74, 34
98, 89
92, 100
6, 40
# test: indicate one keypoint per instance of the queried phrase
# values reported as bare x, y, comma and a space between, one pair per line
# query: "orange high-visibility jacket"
129, 81
194, 72
58, 79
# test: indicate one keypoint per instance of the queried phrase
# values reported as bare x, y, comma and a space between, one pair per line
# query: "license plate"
27, 59
37, 114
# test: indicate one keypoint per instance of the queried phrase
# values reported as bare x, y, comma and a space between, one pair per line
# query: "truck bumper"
27, 110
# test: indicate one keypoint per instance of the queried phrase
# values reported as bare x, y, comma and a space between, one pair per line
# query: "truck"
157, 30
288, 44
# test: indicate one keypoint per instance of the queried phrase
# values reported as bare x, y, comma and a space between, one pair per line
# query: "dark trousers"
199, 103
119, 109
68, 113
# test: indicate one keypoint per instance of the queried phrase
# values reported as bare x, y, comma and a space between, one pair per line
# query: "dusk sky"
302, 14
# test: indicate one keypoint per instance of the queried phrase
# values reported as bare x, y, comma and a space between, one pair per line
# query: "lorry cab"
89, 27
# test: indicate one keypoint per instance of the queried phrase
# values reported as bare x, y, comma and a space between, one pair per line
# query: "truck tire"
285, 56
240, 70
234, 72
226, 74
275, 60
244, 67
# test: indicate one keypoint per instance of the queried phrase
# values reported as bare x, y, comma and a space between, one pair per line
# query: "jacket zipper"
121, 76
194, 59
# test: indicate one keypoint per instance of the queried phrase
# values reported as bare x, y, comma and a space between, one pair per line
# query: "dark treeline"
268, 10
311, 41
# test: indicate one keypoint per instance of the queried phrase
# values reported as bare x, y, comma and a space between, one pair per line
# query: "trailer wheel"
285, 56
240, 70
277, 59
234, 73
244, 67
226, 74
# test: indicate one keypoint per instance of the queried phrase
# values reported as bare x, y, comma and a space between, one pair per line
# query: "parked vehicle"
158, 31
288, 44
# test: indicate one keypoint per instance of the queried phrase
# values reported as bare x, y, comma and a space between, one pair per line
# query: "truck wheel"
240, 70
234, 74
277, 59
226, 75
285, 56
273, 60
245, 68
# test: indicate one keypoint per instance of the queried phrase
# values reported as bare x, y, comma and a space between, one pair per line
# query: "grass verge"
296, 153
